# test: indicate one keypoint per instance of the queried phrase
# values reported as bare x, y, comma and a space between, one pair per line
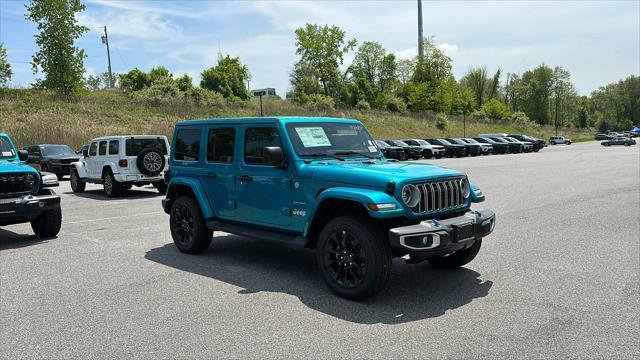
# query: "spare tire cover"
150, 162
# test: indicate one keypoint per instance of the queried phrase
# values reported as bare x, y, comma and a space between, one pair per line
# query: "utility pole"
105, 40
420, 47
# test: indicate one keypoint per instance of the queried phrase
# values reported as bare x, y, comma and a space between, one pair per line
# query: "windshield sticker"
313, 137
373, 149
7, 153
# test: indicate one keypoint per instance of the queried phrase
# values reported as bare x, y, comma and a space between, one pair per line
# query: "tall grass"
31, 116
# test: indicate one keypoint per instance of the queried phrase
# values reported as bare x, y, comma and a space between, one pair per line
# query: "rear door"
264, 191
218, 176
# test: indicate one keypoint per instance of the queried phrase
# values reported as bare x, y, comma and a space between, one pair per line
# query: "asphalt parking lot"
558, 278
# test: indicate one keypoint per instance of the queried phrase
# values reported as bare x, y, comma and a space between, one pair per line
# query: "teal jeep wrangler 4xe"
24, 193
319, 183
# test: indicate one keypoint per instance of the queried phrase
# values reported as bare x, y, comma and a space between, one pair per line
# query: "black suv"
413, 152
472, 149
450, 150
514, 147
53, 158
499, 147
392, 152
538, 144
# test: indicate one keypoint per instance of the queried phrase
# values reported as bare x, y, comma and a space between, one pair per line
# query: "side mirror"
85, 152
273, 156
23, 155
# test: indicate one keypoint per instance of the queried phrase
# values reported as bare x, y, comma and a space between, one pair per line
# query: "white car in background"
120, 162
428, 150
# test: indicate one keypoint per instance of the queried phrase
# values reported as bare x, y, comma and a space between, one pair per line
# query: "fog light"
41, 204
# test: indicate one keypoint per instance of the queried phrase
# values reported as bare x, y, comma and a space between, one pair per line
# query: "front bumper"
60, 169
27, 208
437, 237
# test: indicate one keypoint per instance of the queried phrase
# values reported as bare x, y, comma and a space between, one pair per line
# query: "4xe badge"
297, 212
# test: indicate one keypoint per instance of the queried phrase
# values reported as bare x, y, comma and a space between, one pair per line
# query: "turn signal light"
123, 163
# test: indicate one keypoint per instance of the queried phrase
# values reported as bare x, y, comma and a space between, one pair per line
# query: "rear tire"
77, 185
354, 257
188, 228
458, 258
48, 224
111, 186
427, 154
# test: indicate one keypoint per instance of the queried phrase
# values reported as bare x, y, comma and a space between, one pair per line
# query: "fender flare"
80, 168
111, 166
198, 193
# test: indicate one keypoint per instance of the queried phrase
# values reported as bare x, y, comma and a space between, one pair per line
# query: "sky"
597, 41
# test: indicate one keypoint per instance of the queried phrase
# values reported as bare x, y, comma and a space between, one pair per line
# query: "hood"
377, 174
455, 145
8, 166
63, 157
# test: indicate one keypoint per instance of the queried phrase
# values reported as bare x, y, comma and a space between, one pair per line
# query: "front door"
218, 176
263, 190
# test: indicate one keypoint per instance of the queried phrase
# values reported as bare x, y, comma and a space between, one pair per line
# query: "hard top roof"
265, 120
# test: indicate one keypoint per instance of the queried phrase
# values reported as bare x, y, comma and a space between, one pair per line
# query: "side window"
102, 148
187, 145
255, 140
114, 147
93, 149
221, 144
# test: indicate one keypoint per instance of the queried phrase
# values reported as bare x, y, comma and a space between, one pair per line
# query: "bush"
479, 114
391, 103
363, 105
442, 122
521, 119
205, 97
163, 89
320, 102
495, 109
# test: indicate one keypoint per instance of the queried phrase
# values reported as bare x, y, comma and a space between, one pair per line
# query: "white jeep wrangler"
119, 162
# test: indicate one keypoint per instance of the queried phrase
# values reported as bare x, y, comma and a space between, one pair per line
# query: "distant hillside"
37, 117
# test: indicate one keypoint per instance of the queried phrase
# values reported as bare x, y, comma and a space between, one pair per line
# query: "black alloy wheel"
345, 259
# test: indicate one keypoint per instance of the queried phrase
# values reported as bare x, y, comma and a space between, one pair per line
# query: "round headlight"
466, 190
29, 180
410, 195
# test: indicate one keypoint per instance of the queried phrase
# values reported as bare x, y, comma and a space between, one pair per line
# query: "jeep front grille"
16, 184
440, 196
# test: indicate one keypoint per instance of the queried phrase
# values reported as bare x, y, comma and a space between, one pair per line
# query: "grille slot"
14, 184
440, 196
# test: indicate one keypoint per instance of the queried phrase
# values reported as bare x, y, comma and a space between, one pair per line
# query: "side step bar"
254, 233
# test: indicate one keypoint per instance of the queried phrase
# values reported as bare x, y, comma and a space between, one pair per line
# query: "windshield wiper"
354, 153
324, 155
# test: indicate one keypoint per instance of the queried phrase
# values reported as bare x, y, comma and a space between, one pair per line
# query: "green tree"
368, 62
404, 70
159, 73
57, 58
534, 93
323, 48
5, 68
228, 78
184, 82
495, 109
134, 80
304, 82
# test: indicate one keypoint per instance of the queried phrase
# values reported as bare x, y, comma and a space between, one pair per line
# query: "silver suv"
120, 162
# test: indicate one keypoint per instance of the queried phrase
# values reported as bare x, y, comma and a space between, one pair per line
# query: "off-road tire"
48, 223
438, 156
111, 187
77, 185
188, 228
376, 254
457, 259
567, 142
150, 162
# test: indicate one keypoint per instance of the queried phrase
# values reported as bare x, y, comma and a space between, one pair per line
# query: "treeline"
319, 79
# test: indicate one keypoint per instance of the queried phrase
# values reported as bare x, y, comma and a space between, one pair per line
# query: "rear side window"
93, 149
220, 145
114, 147
255, 140
187, 145
135, 146
102, 148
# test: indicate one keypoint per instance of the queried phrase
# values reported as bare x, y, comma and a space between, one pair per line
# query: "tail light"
123, 163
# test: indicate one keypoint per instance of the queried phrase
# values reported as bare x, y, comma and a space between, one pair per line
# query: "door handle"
245, 178
210, 175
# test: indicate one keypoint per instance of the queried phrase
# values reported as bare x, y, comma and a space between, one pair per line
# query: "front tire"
458, 258
607, 144
111, 186
627, 144
568, 142
77, 185
354, 257
188, 228
427, 154
48, 224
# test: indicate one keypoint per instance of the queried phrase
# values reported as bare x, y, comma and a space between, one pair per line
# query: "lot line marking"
115, 217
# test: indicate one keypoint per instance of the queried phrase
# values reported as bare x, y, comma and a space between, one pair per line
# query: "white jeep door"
89, 162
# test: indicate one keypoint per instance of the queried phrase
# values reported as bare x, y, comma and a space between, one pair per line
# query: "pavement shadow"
132, 194
11, 240
415, 292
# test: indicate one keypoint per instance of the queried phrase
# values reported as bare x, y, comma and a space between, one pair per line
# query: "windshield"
445, 142
6, 149
471, 141
382, 144
315, 139
512, 139
53, 150
422, 142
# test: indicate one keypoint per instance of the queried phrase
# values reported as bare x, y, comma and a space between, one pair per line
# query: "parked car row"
483, 144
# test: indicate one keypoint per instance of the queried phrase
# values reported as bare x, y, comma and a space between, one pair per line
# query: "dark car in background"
499, 147
54, 158
450, 150
600, 137
538, 144
485, 147
391, 152
413, 152
472, 149
515, 147
621, 140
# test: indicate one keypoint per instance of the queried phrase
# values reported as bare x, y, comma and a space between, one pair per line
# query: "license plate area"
7, 207
463, 232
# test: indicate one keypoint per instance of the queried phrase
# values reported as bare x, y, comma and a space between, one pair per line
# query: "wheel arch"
179, 187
